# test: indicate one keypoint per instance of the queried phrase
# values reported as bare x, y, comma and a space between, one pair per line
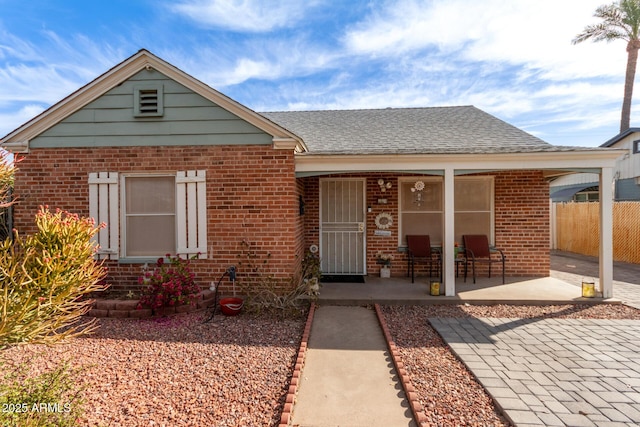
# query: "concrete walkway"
540, 372
348, 377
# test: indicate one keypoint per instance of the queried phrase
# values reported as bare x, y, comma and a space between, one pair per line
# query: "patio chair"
477, 250
419, 250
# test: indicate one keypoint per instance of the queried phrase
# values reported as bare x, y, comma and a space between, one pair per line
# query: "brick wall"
252, 195
521, 221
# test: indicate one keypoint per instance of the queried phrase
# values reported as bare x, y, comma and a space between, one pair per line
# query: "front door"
342, 226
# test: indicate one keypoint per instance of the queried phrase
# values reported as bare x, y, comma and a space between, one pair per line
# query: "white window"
149, 211
158, 214
473, 206
422, 207
591, 194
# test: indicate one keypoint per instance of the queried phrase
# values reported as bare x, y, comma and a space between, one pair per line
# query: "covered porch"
369, 178
486, 291
516, 220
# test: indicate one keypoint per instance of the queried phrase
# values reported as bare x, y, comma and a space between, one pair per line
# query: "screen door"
342, 226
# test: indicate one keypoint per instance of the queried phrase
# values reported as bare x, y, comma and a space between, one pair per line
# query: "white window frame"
486, 178
492, 203
405, 179
124, 215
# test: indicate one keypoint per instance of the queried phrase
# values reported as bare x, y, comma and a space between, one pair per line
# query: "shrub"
50, 399
7, 174
45, 279
168, 284
286, 297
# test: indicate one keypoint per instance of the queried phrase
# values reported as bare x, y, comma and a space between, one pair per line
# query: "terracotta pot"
231, 306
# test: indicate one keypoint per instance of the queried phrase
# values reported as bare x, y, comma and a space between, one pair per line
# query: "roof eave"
619, 137
563, 160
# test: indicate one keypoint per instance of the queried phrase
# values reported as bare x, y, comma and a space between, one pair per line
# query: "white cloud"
10, 121
513, 59
267, 60
13, 47
245, 15
51, 69
36, 74
536, 33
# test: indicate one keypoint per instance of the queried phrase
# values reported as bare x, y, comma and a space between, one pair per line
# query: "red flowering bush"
170, 283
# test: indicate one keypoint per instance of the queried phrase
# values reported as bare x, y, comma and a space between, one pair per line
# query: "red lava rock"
141, 314
178, 370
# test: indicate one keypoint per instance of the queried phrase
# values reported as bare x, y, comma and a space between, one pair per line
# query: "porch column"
448, 239
606, 232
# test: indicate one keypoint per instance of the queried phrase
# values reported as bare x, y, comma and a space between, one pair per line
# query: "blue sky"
511, 58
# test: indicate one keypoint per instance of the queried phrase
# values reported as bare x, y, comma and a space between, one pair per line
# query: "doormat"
341, 278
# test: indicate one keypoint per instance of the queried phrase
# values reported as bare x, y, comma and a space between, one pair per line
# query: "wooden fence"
577, 229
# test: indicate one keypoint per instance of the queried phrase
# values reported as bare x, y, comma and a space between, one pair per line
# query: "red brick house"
173, 166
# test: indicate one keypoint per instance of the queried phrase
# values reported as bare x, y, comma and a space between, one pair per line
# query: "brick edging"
403, 375
285, 418
128, 308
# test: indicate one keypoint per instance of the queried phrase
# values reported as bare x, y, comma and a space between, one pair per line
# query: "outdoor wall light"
384, 185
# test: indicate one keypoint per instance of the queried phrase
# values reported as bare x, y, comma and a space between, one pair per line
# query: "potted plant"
384, 260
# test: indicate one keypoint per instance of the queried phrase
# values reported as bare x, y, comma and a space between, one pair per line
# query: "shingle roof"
434, 130
619, 137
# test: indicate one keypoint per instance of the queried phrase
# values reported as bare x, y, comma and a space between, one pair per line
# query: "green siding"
189, 119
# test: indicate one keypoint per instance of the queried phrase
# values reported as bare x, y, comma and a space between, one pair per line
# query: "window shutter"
191, 213
103, 207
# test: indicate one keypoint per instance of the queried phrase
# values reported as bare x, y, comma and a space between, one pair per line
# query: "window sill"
149, 260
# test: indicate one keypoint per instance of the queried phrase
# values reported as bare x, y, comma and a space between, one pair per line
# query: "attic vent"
148, 101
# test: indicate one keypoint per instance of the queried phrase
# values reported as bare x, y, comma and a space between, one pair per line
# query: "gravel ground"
235, 371
448, 392
177, 371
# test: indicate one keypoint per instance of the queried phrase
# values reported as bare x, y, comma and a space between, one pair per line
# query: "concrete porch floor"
400, 290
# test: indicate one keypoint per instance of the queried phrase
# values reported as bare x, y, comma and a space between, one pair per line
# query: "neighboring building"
584, 187
173, 166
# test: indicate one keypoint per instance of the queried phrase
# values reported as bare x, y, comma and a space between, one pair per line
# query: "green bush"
45, 280
50, 399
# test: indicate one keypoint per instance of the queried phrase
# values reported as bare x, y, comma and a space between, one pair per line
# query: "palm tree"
620, 21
